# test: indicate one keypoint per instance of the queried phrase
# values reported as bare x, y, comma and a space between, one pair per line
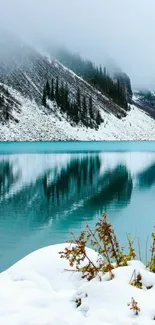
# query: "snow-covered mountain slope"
23, 74
35, 123
27, 69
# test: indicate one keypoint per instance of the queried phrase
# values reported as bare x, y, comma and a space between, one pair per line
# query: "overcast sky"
121, 29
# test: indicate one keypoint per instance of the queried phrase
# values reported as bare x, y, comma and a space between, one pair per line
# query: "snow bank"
38, 291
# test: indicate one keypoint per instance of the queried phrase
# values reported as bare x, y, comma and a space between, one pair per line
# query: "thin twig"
106, 255
93, 235
85, 254
139, 250
71, 270
134, 272
146, 249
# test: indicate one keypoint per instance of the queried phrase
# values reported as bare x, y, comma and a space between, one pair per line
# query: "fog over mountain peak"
97, 29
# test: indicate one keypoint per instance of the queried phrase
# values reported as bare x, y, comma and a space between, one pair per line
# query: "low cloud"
122, 30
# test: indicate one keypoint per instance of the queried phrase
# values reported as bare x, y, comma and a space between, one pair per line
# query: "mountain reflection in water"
42, 197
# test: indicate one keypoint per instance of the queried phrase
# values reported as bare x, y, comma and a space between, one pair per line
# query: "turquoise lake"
50, 189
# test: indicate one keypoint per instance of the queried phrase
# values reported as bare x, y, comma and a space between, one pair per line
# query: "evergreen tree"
84, 106
7, 114
57, 97
78, 98
66, 99
100, 71
84, 114
91, 108
1, 101
76, 113
47, 90
68, 111
52, 90
62, 97
72, 111
98, 118
44, 102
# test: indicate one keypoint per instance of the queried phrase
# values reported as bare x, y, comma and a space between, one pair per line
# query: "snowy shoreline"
38, 291
34, 124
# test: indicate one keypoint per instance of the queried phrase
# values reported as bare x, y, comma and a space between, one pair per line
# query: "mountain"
24, 72
145, 100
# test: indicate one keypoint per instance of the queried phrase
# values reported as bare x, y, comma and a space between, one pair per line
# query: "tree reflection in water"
7, 177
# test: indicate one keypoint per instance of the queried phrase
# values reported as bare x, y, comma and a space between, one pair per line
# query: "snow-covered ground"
35, 125
38, 291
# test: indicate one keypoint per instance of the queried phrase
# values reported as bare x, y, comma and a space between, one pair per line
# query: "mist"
119, 31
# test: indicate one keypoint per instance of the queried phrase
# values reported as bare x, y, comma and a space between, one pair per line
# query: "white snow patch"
38, 291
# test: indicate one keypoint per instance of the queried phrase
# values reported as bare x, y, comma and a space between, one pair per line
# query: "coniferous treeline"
1, 100
3, 109
98, 77
125, 80
79, 109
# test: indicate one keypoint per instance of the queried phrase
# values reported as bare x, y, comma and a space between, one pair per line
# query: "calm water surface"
45, 195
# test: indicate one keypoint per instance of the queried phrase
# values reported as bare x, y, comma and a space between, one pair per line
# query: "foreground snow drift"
36, 125
38, 291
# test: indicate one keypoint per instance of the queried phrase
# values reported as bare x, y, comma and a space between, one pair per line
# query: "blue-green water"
76, 146
45, 195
